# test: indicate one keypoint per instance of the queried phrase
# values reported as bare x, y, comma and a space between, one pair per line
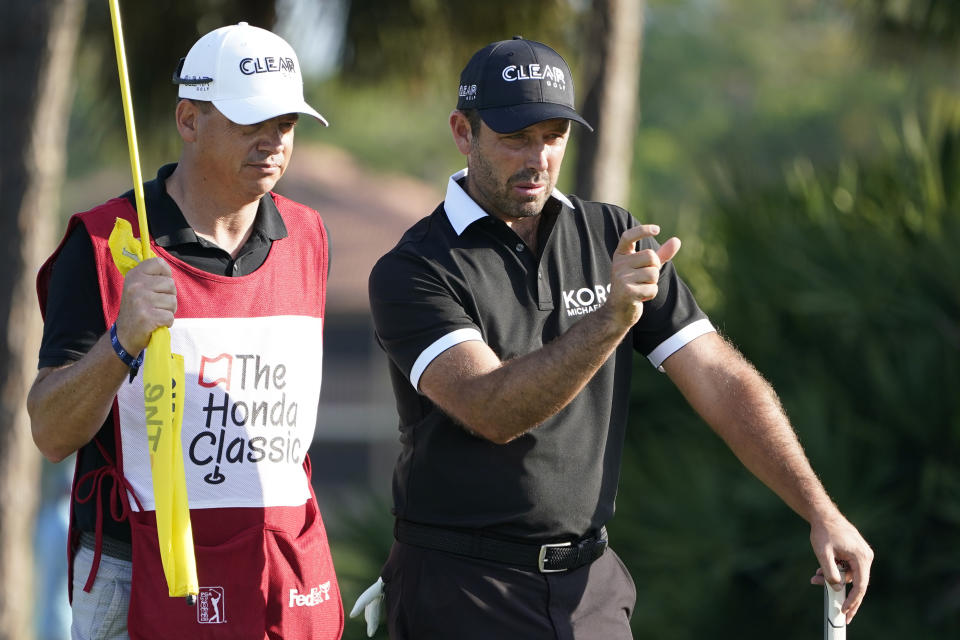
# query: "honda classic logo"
584, 300
250, 395
271, 419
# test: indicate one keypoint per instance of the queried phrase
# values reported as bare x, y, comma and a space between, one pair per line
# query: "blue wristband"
132, 363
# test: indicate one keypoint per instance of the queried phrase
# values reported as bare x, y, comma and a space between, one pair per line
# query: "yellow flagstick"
131, 128
163, 382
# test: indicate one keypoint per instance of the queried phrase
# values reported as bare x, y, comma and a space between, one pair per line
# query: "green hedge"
843, 287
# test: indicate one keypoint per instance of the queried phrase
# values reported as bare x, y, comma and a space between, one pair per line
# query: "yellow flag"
163, 401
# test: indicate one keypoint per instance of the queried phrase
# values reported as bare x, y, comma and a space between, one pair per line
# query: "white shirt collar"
462, 211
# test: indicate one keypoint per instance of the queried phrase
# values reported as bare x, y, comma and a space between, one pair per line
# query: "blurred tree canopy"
425, 41
914, 23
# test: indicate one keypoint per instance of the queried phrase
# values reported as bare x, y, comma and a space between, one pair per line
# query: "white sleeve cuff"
438, 347
673, 344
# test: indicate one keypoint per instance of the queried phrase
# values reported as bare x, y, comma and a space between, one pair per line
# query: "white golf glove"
369, 602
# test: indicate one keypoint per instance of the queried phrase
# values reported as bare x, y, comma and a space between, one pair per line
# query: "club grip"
834, 620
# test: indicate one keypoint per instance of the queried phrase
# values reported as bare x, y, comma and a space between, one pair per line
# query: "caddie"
240, 279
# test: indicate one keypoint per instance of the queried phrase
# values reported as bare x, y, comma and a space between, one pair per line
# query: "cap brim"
521, 116
259, 108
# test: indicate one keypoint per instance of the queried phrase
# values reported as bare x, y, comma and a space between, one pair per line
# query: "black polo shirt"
460, 274
74, 314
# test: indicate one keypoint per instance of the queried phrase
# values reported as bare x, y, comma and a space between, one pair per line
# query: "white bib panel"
252, 388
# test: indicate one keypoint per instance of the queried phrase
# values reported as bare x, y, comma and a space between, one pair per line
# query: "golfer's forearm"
67, 405
520, 394
768, 447
743, 409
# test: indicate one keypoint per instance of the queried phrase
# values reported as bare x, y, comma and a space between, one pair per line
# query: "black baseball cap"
516, 83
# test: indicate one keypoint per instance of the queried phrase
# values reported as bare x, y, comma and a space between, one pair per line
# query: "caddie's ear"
462, 135
187, 115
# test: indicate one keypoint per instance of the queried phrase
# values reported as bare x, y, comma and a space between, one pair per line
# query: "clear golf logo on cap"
249, 74
553, 76
250, 66
516, 83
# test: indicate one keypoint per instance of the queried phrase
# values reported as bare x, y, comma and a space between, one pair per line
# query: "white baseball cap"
248, 73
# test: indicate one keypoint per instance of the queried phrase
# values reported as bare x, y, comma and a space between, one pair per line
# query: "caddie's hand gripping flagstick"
834, 620
162, 378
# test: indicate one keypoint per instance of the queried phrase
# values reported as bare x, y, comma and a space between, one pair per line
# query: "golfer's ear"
462, 135
187, 114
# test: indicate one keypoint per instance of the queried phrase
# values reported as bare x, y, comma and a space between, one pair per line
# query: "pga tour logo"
210, 606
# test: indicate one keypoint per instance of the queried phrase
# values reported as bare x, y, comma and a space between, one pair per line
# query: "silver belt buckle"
543, 555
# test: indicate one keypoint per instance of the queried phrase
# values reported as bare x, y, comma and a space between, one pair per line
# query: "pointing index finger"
629, 238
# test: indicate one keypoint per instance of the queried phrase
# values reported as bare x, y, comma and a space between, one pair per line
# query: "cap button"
518, 37
242, 24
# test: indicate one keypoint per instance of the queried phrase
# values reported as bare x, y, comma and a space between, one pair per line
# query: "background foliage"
841, 286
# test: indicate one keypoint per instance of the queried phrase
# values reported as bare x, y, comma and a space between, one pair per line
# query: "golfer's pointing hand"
634, 274
149, 302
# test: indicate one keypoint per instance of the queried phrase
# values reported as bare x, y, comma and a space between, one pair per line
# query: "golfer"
240, 279
510, 316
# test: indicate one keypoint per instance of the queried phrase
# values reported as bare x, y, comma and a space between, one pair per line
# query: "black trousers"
431, 595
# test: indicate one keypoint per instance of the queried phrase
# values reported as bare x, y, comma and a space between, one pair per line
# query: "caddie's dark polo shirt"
74, 314
461, 275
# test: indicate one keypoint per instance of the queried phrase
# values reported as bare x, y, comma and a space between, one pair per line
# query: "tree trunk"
39, 41
611, 69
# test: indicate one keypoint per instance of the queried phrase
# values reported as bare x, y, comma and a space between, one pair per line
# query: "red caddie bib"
252, 349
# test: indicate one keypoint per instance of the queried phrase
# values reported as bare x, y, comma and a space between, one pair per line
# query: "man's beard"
500, 198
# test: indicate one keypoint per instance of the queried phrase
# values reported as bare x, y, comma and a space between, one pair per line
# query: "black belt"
109, 546
545, 558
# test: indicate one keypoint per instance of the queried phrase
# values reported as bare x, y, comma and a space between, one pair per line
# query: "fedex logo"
318, 595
